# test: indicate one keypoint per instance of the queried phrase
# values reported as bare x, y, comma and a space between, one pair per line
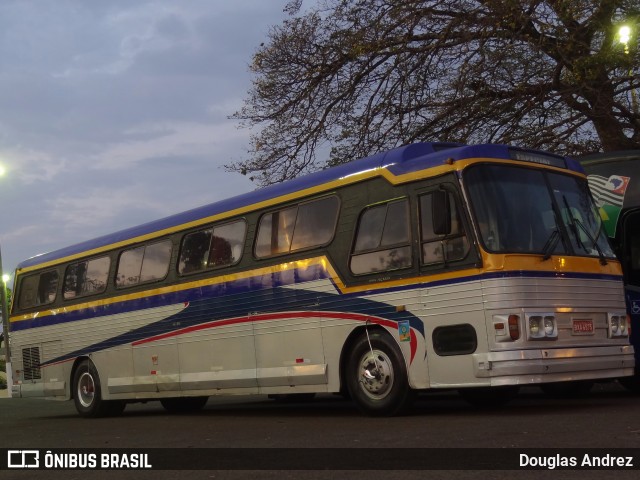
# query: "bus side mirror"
441, 212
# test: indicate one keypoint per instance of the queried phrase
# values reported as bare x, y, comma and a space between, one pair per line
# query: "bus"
478, 268
614, 179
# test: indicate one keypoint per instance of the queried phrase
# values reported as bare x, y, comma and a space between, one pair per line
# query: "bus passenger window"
227, 244
442, 248
86, 278
383, 239
143, 264
194, 252
215, 247
307, 225
275, 232
316, 223
39, 289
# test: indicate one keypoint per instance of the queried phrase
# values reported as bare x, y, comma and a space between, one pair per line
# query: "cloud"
84, 208
116, 113
166, 140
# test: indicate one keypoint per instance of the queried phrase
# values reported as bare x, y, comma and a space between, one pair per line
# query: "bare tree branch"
349, 78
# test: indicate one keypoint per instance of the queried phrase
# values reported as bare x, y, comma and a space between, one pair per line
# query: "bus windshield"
523, 210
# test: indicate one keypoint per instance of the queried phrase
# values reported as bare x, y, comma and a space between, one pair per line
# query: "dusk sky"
114, 113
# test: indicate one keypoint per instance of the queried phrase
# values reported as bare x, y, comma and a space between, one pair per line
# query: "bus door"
452, 314
630, 256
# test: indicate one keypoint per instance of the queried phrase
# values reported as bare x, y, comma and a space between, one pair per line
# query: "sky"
115, 113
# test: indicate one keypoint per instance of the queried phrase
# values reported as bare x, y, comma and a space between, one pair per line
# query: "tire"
489, 397
184, 404
378, 393
573, 389
87, 393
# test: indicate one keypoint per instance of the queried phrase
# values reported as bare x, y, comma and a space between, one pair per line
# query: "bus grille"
31, 363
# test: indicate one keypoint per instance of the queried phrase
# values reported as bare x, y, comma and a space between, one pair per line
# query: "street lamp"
624, 37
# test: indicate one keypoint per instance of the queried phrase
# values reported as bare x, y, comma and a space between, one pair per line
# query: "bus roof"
401, 160
606, 157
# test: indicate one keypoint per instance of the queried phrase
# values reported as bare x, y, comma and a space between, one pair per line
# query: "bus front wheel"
87, 393
376, 376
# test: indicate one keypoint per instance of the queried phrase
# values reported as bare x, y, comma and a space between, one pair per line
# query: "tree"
348, 78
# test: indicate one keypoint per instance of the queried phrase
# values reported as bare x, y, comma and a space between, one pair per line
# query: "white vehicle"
479, 268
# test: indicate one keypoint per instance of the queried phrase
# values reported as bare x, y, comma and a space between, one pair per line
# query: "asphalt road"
608, 420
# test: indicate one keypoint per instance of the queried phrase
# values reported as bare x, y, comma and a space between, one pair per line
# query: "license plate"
583, 327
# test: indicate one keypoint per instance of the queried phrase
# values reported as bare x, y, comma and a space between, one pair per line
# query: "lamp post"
5, 327
4, 309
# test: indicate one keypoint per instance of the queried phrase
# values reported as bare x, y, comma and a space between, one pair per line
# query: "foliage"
348, 78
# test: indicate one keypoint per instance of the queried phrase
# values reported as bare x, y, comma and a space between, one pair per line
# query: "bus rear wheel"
87, 393
376, 376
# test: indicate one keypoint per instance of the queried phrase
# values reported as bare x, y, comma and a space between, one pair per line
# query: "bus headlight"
618, 325
550, 326
535, 327
541, 326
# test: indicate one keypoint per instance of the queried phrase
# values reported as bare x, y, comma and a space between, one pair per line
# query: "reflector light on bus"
514, 327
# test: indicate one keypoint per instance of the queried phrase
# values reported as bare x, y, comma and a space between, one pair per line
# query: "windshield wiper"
575, 223
552, 241
550, 245
573, 226
603, 260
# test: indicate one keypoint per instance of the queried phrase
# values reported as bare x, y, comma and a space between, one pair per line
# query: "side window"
307, 225
38, 289
215, 247
88, 277
383, 239
442, 248
143, 264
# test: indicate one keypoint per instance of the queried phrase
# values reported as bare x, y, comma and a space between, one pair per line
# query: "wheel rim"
375, 374
86, 389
